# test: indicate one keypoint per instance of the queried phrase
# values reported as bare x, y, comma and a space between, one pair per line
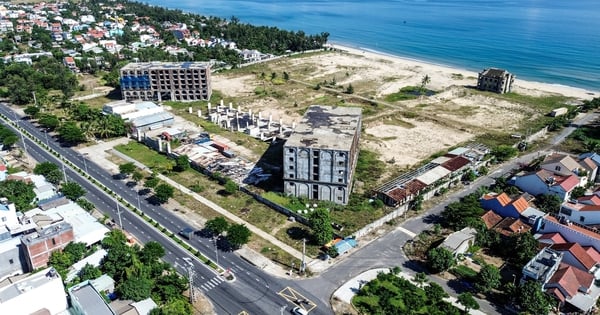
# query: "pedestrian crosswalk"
211, 283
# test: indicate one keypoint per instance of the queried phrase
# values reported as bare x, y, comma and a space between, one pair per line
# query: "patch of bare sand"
407, 146
234, 86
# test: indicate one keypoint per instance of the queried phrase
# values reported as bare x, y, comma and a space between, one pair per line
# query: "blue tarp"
345, 245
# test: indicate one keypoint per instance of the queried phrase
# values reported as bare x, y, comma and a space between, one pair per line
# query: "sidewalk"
346, 292
292, 251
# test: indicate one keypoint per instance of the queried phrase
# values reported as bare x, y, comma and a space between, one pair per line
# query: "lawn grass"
145, 155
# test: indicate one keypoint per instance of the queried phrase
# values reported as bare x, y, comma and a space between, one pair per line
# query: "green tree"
151, 182
217, 225
468, 301
127, 168
72, 190
137, 176
89, 272
49, 121
435, 292
44, 168
320, 222
238, 235
230, 187
135, 288
19, 193
577, 192
163, 192
548, 203
9, 140
504, 152
350, 89
169, 287
463, 213
151, 252
487, 279
75, 250
61, 261
525, 247
70, 133
440, 259
174, 307
424, 81
532, 299
182, 163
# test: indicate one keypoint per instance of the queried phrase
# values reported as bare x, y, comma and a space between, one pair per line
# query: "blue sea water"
552, 41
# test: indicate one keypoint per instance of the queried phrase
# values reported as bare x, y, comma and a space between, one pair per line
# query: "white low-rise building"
40, 293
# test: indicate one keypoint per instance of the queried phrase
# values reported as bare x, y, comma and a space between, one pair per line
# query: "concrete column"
293, 125
221, 103
199, 113
259, 116
168, 147
159, 145
230, 106
139, 135
237, 121
238, 108
209, 108
190, 109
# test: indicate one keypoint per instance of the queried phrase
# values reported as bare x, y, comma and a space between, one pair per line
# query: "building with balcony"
320, 155
166, 81
495, 80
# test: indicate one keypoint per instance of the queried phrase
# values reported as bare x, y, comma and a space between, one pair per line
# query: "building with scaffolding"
166, 81
320, 155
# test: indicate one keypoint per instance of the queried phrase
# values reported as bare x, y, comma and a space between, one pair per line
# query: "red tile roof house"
505, 226
565, 165
503, 205
575, 255
573, 286
566, 283
582, 213
546, 182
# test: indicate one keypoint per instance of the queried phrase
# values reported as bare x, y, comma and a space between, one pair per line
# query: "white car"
299, 311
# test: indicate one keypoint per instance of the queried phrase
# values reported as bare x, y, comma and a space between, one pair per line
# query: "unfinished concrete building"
320, 156
495, 80
166, 81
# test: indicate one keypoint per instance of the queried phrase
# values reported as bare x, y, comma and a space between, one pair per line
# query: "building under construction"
166, 81
320, 156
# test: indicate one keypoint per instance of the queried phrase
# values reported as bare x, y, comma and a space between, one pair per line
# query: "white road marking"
409, 233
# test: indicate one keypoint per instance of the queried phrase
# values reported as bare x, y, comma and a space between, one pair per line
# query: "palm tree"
426, 80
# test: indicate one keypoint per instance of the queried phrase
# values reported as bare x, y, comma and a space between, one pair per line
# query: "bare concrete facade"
320, 156
495, 80
166, 81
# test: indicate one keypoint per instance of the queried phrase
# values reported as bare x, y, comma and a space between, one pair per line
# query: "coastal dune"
403, 133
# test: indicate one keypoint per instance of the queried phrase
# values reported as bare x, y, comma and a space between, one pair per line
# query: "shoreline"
519, 86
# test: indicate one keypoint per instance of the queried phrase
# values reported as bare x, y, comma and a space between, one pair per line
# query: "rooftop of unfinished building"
327, 127
165, 65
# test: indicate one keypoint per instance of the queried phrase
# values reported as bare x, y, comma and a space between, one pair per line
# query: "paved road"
253, 291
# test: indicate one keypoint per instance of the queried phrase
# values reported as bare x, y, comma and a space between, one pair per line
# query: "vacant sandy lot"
455, 114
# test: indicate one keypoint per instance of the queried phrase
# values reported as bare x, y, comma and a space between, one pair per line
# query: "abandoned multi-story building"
166, 81
320, 155
495, 80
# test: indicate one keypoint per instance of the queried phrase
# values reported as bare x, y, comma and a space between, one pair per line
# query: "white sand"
455, 114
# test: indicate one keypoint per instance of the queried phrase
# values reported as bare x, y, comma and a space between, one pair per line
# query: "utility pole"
64, 171
191, 273
303, 265
22, 137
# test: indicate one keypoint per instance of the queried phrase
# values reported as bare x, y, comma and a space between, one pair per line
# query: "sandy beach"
405, 132
439, 74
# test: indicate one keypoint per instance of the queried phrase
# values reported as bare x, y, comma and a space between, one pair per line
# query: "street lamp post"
216, 249
84, 162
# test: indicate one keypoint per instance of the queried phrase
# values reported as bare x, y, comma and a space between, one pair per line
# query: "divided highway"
253, 291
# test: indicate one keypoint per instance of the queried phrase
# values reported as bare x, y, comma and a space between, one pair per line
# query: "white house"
41, 293
460, 241
571, 232
575, 211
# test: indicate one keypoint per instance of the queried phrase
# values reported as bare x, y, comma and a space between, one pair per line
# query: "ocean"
550, 41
